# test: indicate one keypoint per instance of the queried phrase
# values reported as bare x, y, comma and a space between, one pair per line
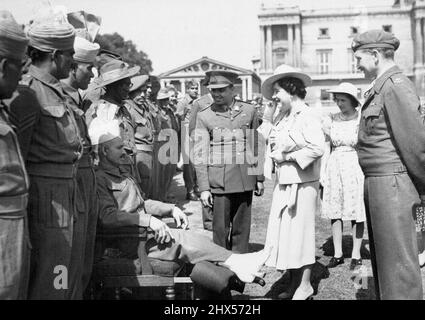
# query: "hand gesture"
206, 199
181, 219
162, 231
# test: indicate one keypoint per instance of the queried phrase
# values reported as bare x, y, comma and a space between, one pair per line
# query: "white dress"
291, 225
343, 179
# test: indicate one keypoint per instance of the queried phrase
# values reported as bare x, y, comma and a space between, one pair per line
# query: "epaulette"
26, 80
205, 106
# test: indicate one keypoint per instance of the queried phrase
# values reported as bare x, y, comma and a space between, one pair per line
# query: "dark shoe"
192, 196
286, 295
355, 263
335, 262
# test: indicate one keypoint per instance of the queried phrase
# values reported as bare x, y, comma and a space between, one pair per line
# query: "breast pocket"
371, 116
12, 175
57, 123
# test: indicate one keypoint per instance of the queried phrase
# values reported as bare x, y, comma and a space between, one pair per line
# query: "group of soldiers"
80, 155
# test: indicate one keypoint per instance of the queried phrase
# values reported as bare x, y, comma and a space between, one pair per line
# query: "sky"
175, 32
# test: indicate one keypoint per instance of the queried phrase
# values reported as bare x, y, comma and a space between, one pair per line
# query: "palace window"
280, 32
352, 62
387, 28
279, 57
324, 33
324, 60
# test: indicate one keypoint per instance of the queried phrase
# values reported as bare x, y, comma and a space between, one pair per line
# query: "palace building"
248, 84
317, 37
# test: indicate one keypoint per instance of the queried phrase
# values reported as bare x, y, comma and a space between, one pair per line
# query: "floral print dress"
342, 177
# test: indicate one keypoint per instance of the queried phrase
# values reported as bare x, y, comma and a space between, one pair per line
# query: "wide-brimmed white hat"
347, 88
283, 71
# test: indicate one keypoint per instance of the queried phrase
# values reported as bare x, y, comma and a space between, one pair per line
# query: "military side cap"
373, 39
220, 79
13, 42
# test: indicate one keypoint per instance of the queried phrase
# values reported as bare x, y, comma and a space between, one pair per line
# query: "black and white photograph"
236, 151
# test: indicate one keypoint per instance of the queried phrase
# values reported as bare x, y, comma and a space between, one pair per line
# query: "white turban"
85, 51
101, 131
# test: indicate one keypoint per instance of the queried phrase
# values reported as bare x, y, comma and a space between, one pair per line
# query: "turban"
85, 51
52, 35
101, 130
13, 43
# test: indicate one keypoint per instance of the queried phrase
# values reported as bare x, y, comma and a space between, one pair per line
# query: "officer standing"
184, 108
85, 227
51, 145
144, 132
14, 249
224, 151
391, 150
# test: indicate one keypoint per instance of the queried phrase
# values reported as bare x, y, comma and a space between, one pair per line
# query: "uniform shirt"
199, 104
120, 200
144, 131
225, 148
108, 110
184, 108
13, 176
47, 130
391, 131
75, 102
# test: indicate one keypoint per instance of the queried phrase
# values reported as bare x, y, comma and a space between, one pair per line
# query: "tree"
127, 49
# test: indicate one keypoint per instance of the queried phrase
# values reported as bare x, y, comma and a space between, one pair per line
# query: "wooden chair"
113, 272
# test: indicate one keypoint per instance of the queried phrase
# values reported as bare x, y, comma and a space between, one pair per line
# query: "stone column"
418, 43
269, 49
291, 58
297, 46
249, 85
183, 86
262, 49
243, 88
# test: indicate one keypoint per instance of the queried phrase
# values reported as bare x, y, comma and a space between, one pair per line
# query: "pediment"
199, 67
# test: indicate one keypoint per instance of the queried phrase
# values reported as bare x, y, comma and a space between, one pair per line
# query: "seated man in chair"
123, 209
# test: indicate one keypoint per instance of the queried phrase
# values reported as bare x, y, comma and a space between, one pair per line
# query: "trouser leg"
207, 218
188, 247
13, 254
91, 201
221, 220
51, 212
188, 177
241, 221
144, 165
390, 202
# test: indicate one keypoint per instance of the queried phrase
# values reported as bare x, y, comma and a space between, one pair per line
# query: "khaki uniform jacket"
199, 104
121, 204
47, 130
225, 149
75, 101
144, 125
184, 108
391, 132
14, 181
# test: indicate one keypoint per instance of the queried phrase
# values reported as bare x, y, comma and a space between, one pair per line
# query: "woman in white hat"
295, 143
342, 178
